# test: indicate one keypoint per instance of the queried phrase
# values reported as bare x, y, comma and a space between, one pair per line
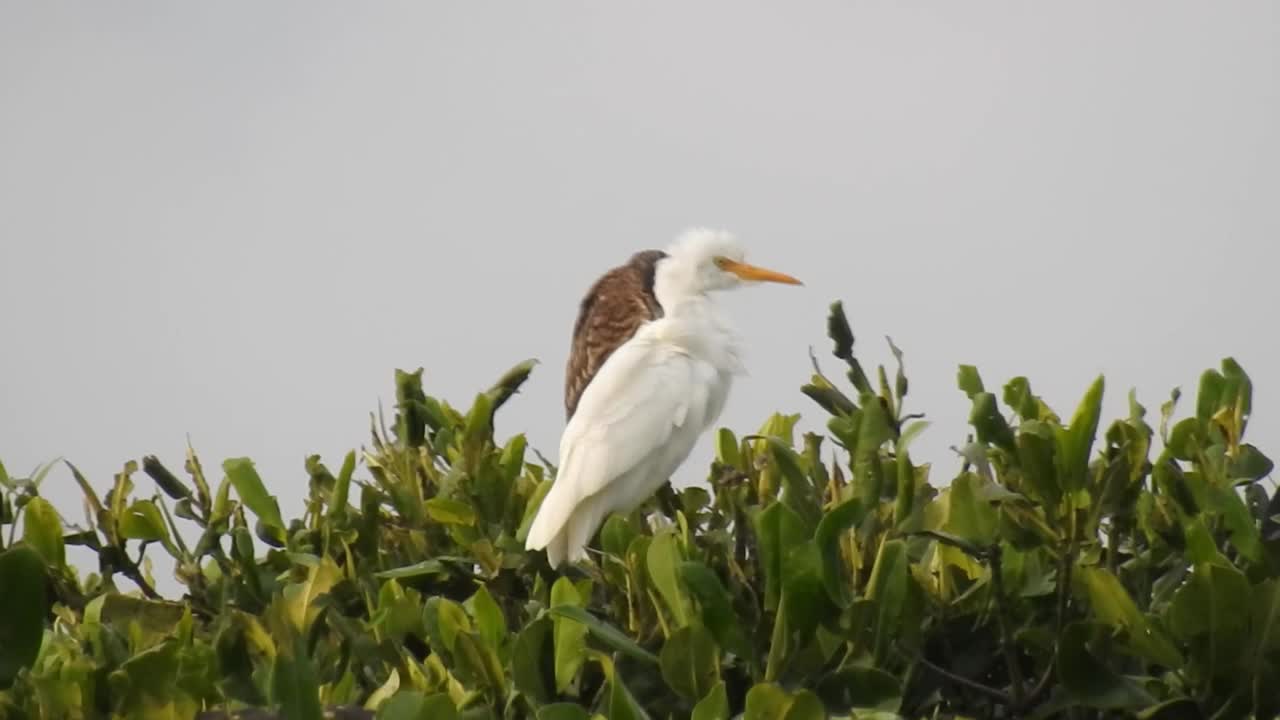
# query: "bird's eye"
720, 261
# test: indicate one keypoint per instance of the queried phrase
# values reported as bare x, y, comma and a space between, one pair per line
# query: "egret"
645, 379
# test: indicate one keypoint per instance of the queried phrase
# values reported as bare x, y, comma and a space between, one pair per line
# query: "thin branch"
1002, 617
1000, 695
131, 571
1042, 685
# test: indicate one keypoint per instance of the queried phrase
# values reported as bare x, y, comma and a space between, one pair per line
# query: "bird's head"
702, 260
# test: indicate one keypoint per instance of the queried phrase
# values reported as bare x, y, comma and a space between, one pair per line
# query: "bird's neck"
694, 323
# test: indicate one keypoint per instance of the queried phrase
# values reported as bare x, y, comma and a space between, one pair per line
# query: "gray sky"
235, 219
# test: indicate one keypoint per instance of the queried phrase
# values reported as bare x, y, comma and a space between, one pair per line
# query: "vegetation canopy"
1071, 569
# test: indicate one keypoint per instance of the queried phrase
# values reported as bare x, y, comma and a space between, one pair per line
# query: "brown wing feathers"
614, 308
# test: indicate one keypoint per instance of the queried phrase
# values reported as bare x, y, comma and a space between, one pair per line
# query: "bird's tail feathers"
552, 515
558, 549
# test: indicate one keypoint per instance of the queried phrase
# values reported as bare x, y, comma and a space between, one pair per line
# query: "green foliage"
1069, 569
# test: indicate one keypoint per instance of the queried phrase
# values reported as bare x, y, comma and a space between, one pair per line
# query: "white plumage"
640, 416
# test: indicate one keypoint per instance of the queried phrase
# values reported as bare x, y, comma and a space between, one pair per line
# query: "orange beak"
756, 274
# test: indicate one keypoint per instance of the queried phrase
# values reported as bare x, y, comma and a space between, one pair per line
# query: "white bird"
652, 397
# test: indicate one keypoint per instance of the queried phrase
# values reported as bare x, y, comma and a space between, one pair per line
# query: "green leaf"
1114, 607
622, 704
450, 512
778, 427
1210, 395
450, 620
874, 430
967, 515
839, 332
766, 701
989, 423
295, 685
570, 634
799, 492
1039, 466
1076, 441
91, 497
662, 560
42, 530
37, 478
727, 451
426, 567
489, 618
778, 530
900, 379
156, 616
1250, 464
533, 660
252, 492
1236, 516
827, 396
509, 384
717, 607
888, 589
910, 433
1185, 439
164, 479
779, 643
690, 662
1089, 681
1018, 395
1211, 611
968, 380
412, 416
713, 706
604, 632
616, 535
806, 706
148, 679
860, 687
803, 590
1239, 381
414, 705
23, 606
905, 492
480, 661
143, 521
342, 485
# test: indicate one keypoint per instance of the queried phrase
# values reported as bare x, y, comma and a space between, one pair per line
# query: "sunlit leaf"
1114, 606
604, 632
1075, 442
570, 635
252, 492
713, 706
452, 512
663, 561
42, 530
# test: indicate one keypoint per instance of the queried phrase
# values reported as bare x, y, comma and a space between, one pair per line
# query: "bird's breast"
708, 343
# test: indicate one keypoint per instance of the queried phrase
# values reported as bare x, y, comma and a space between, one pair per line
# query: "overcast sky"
234, 220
